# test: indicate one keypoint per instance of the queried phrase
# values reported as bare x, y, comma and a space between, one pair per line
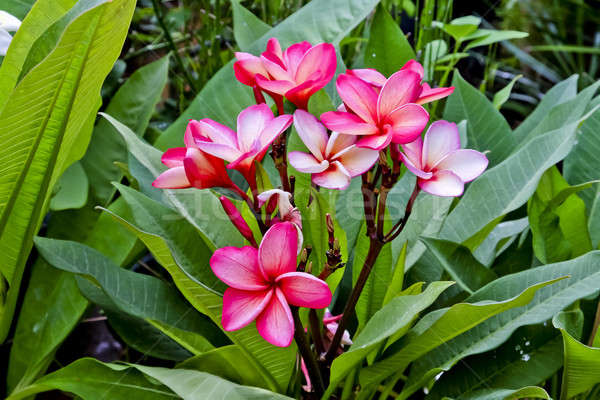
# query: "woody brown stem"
307, 354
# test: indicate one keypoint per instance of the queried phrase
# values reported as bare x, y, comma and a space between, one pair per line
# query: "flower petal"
304, 290
358, 97
428, 94
375, 142
273, 129
222, 151
407, 122
292, 56
357, 160
173, 157
217, 132
415, 66
337, 143
173, 178
312, 133
275, 86
275, 324
347, 123
441, 138
307, 163
369, 75
278, 249
467, 164
203, 170
247, 67
299, 95
250, 123
9, 22
443, 183
412, 167
240, 307
335, 177
319, 58
238, 268
401, 88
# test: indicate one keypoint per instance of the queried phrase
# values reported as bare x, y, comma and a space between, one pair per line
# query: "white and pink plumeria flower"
8, 23
333, 160
441, 166
287, 212
264, 282
257, 128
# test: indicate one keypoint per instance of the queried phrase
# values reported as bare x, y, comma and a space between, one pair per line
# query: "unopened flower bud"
237, 220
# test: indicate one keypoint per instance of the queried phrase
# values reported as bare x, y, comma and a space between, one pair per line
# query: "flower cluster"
380, 119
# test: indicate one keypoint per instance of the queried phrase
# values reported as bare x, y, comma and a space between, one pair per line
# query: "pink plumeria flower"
427, 94
191, 167
296, 73
333, 160
331, 323
264, 282
287, 212
380, 117
441, 166
257, 128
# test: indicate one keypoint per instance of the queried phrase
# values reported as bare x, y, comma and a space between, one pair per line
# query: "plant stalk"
307, 354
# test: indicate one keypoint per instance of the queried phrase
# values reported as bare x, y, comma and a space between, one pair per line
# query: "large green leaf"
439, 327
132, 105
509, 185
557, 219
392, 318
560, 93
460, 264
18, 8
135, 294
583, 279
247, 27
580, 167
43, 14
44, 128
533, 392
274, 363
532, 355
387, 49
199, 207
222, 98
484, 37
87, 378
54, 304
581, 366
499, 239
487, 130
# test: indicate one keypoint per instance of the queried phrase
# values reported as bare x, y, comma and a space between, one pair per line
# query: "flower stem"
399, 226
307, 354
374, 249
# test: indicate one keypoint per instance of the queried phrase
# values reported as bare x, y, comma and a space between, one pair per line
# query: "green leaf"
136, 294
557, 219
133, 105
387, 49
150, 224
247, 27
222, 98
460, 264
43, 134
503, 94
484, 37
228, 362
560, 93
582, 281
54, 304
43, 14
397, 280
396, 316
439, 327
88, 377
459, 28
435, 51
73, 189
487, 130
509, 185
509, 394
580, 166
581, 366
499, 239
18, 8
530, 356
